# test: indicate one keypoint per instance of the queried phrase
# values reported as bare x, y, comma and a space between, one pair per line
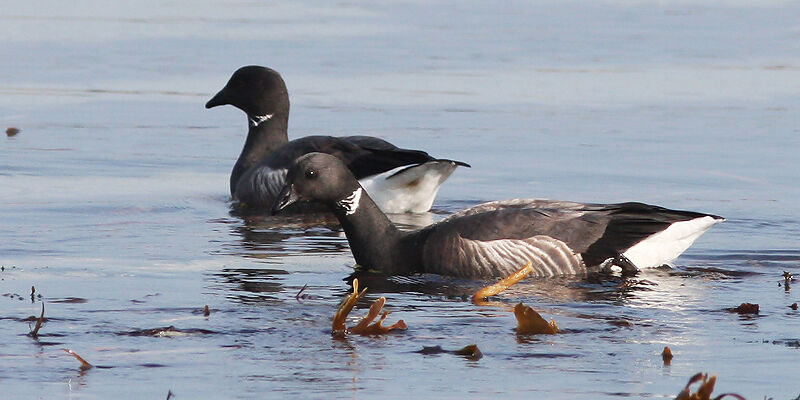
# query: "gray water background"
114, 203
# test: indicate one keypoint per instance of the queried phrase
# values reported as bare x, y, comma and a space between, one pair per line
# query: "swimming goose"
399, 180
496, 238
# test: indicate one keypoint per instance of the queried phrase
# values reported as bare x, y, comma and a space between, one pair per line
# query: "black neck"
374, 240
265, 135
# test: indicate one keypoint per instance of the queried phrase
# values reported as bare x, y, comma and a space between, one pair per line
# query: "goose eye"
311, 174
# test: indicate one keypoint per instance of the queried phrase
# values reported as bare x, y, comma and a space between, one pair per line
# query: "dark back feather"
364, 156
597, 231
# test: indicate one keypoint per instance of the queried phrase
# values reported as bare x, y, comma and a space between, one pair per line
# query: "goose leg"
628, 269
620, 261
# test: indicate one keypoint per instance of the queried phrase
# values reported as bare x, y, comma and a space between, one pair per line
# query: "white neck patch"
350, 203
256, 120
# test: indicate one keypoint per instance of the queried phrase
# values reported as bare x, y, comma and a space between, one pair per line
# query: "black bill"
219, 99
285, 198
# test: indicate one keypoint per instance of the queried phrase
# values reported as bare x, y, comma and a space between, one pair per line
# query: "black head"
317, 177
255, 90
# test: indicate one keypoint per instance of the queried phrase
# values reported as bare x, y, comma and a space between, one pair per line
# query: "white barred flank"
454, 255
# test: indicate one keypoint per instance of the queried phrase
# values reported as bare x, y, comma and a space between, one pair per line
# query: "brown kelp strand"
339, 329
529, 322
470, 352
84, 364
300, 294
704, 390
480, 296
745, 308
666, 355
35, 332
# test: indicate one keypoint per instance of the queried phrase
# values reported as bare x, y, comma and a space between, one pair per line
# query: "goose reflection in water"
252, 285
278, 240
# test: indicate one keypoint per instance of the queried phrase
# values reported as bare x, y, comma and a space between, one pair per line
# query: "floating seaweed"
300, 294
529, 322
745, 308
470, 352
788, 279
704, 390
13, 296
84, 364
666, 355
480, 296
35, 332
339, 329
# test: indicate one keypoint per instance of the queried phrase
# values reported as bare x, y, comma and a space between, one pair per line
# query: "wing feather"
596, 231
448, 253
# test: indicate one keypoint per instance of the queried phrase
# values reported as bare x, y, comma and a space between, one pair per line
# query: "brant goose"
496, 238
399, 180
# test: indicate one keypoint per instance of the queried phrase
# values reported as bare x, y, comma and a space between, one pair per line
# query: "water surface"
115, 207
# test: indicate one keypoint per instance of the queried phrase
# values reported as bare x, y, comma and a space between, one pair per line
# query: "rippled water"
114, 200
